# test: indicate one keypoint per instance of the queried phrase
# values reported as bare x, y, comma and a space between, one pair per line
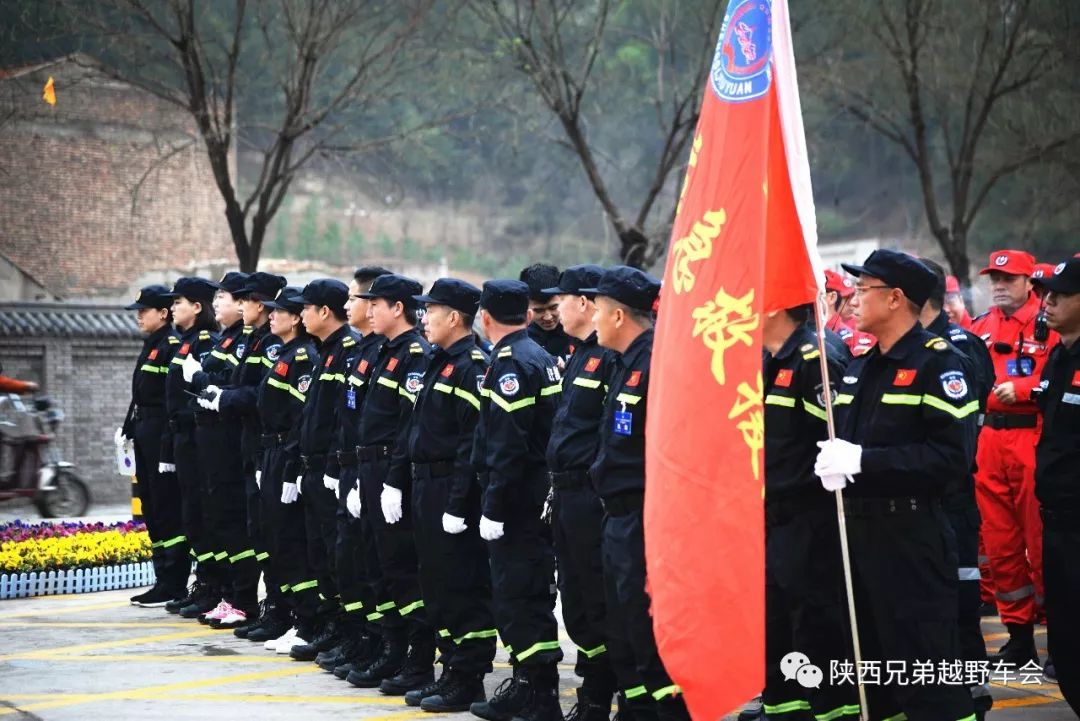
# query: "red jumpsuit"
1005, 479
856, 341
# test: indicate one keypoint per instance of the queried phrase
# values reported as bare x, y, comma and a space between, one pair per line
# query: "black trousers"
805, 609
193, 488
603, 651
218, 439
256, 528
963, 515
1061, 574
320, 516
398, 591
455, 577
904, 575
355, 557
523, 577
286, 538
623, 553
160, 496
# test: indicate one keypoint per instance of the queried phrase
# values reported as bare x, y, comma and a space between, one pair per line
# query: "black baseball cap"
898, 270
265, 284
395, 288
453, 293
232, 281
193, 288
1065, 279
152, 296
505, 298
324, 291
575, 278
630, 286
286, 300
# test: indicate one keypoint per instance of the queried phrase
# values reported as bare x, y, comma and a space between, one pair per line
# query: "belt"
889, 506
272, 440
181, 424
309, 461
1008, 421
567, 480
438, 469
368, 454
624, 504
346, 458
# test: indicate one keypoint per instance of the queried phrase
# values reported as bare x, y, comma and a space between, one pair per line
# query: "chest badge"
904, 377
783, 378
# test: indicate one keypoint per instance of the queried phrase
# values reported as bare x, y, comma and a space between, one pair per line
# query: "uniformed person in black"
576, 513
455, 579
193, 318
217, 438
959, 498
356, 561
903, 439
624, 302
805, 604
281, 398
256, 351
519, 396
159, 493
324, 318
392, 382
545, 327
1057, 480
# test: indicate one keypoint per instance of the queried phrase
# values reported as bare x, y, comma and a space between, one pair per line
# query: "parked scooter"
30, 464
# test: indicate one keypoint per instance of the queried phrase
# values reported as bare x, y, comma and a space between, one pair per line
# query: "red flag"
744, 243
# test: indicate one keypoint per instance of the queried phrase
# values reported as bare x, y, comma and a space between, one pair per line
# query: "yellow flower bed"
81, 550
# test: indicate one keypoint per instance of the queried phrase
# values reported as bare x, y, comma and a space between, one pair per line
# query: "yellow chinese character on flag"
49, 94
722, 323
752, 427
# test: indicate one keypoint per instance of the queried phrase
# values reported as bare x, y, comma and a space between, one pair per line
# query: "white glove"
190, 368
119, 438
166, 468
838, 457
453, 524
258, 480
490, 530
299, 484
214, 403
289, 492
352, 502
836, 483
391, 503
331, 484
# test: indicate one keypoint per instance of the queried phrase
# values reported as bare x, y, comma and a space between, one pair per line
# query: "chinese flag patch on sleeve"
282, 368
153, 355
329, 360
185, 348
447, 371
592, 364
1076, 379
783, 378
634, 379
904, 377
391, 364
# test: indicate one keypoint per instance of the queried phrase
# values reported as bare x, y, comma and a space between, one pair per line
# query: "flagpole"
819, 314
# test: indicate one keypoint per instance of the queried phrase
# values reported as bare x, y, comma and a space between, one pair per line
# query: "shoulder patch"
806, 347
415, 348
347, 342
506, 352
173, 340
475, 354
509, 385
204, 335
937, 344
247, 329
812, 355
300, 354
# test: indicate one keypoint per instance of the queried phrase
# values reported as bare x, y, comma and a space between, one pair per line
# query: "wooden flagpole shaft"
819, 314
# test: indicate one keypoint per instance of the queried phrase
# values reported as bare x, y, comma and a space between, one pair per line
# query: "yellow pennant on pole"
49, 94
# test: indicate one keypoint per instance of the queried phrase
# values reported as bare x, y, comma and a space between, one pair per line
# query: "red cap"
1013, 262
1043, 270
952, 285
838, 283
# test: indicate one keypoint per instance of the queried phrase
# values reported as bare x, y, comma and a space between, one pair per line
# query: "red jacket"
1024, 370
857, 341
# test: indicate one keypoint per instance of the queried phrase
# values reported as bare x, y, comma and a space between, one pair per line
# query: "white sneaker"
271, 645
286, 645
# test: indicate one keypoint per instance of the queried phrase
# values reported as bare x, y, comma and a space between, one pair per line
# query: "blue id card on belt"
624, 422
350, 398
1026, 367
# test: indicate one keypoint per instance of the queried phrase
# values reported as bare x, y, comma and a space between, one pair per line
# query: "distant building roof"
42, 320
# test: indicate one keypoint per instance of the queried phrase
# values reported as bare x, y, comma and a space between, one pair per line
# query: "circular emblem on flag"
509, 384
304, 384
1001, 260
273, 351
740, 69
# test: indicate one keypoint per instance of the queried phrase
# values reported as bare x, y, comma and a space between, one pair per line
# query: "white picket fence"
79, 580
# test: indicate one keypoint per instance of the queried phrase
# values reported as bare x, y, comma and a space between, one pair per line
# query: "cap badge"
1001, 260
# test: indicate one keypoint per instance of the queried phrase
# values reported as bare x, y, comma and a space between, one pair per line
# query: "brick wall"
90, 380
70, 216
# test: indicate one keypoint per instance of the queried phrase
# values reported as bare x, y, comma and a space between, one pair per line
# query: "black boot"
325, 637
203, 603
542, 703
1020, 648
194, 592
459, 693
389, 662
364, 653
156, 597
509, 698
419, 670
264, 612
416, 695
589, 707
274, 625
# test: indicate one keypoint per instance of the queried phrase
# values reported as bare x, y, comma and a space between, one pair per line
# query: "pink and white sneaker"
233, 619
218, 612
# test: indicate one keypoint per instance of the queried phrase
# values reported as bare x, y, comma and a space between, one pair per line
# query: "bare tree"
558, 44
961, 77
309, 66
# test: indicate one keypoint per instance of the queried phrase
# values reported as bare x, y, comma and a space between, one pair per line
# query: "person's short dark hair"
467, 320
411, 313
205, 319
539, 276
512, 319
800, 313
365, 274
937, 294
